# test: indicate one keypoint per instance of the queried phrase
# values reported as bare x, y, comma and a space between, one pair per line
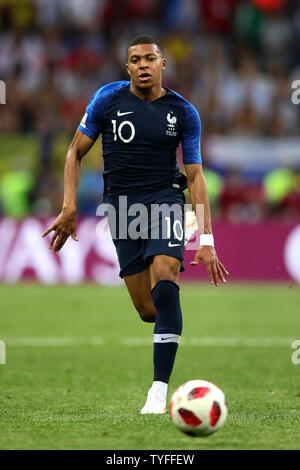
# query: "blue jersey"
140, 138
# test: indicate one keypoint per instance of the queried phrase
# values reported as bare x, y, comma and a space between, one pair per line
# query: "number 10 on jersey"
118, 131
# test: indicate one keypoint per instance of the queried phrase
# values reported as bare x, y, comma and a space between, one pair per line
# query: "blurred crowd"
234, 60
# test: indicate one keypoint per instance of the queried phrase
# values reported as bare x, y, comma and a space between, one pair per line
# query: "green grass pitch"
79, 364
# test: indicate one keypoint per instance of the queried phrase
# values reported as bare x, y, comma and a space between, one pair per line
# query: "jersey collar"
146, 101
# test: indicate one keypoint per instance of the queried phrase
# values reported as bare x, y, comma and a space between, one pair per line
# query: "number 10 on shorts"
177, 229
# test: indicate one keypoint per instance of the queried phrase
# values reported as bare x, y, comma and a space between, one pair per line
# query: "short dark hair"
144, 39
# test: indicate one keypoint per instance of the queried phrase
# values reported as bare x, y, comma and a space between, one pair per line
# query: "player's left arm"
199, 197
198, 191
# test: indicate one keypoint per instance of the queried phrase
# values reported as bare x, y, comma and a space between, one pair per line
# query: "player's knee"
166, 273
164, 268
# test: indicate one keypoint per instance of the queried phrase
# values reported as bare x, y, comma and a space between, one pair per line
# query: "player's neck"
149, 94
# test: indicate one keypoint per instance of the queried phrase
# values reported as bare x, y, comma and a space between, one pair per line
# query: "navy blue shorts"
161, 230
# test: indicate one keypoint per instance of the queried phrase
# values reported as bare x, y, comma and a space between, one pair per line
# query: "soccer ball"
198, 408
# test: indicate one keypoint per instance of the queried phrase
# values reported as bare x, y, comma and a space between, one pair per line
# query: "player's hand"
215, 269
63, 227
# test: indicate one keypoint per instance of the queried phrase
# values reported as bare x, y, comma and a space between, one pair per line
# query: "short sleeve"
191, 135
93, 120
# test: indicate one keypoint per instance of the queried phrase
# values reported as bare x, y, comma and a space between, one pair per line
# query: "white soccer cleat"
156, 399
190, 226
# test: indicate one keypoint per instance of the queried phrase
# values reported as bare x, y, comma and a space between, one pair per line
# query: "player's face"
145, 65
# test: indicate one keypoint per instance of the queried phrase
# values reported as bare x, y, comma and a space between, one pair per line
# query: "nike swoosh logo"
123, 114
173, 244
168, 337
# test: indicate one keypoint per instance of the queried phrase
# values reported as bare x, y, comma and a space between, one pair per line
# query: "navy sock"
168, 328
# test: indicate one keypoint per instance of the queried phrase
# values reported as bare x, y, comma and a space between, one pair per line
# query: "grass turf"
88, 394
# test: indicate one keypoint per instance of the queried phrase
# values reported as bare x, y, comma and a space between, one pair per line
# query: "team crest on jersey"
171, 125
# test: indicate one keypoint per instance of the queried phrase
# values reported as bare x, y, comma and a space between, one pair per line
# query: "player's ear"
127, 68
164, 63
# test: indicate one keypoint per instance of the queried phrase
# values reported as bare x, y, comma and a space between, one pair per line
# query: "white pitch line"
227, 341
54, 342
147, 341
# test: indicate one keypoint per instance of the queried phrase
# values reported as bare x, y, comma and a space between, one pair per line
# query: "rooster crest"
171, 119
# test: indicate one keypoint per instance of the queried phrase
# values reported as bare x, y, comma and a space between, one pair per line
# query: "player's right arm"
91, 126
89, 129
65, 224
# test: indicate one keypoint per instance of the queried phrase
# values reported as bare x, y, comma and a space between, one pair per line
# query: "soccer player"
142, 124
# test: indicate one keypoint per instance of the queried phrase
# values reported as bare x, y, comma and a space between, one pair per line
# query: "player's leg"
139, 288
135, 272
164, 267
164, 273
